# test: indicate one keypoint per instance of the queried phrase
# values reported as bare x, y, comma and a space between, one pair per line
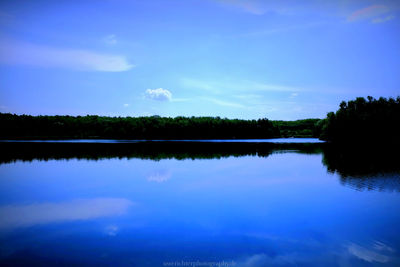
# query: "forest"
154, 127
356, 120
298, 128
363, 120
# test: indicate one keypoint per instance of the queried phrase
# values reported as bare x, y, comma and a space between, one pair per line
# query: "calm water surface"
288, 206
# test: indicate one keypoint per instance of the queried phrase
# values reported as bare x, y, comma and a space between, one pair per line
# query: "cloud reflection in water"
159, 176
13, 216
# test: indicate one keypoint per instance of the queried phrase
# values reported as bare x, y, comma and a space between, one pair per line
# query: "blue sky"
229, 58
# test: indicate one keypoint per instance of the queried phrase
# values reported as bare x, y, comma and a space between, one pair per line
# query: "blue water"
282, 210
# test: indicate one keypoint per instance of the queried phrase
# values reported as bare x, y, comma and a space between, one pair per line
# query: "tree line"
154, 127
298, 128
356, 120
363, 120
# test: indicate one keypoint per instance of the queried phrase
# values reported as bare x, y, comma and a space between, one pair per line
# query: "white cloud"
44, 56
110, 39
293, 95
159, 94
126, 105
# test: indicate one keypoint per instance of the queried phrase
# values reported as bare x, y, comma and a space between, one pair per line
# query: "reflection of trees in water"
361, 161
372, 168
382, 182
364, 168
146, 150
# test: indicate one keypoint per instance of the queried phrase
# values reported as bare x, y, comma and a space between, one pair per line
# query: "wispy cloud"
276, 101
110, 39
261, 7
247, 86
159, 176
250, 6
198, 84
224, 103
275, 87
384, 19
282, 29
382, 247
180, 99
367, 254
15, 53
112, 230
159, 94
248, 96
368, 13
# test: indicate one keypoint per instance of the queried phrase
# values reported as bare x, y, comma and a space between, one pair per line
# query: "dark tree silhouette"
361, 120
155, 127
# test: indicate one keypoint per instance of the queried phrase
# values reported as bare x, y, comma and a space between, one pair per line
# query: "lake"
198, 204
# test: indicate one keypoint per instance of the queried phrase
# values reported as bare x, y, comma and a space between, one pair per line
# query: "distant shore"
357, 121
150, 128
